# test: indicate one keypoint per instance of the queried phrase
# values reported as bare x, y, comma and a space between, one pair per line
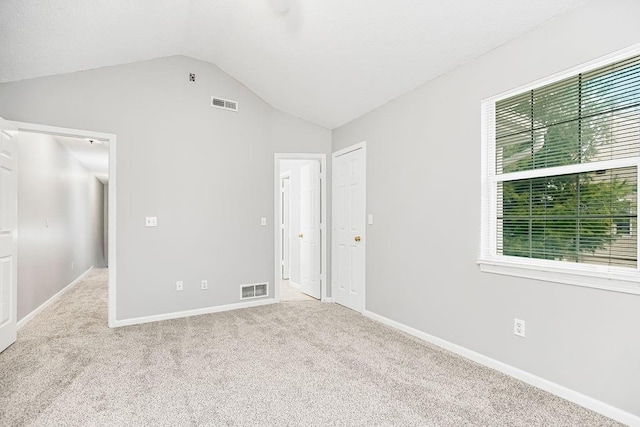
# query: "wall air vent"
256, 290
225, 104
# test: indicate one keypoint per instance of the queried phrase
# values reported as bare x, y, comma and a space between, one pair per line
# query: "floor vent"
256, 290
225, 104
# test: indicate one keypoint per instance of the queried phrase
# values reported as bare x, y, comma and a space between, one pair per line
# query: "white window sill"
588, 276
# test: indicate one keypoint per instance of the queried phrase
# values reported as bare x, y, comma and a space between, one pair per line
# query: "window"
560, 178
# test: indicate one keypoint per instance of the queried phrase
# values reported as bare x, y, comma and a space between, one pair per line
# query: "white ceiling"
93, 156
327, 61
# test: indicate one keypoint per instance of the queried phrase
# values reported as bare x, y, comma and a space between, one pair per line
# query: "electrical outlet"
263, 221
179, 286
519, 327
151, 221
204, 285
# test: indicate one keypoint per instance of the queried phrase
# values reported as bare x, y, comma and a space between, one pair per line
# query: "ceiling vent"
254, 291
225, 104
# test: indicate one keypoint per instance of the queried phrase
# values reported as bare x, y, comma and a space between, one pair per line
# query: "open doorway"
300, 236
77, 170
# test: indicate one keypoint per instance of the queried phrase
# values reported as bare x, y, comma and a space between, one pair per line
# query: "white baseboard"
26, 319
189, 313
294, 284
549, 386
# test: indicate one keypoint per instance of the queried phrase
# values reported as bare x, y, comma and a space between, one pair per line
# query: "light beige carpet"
296, 363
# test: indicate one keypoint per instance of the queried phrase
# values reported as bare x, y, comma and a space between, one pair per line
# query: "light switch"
370, 219
152, 221
263, 221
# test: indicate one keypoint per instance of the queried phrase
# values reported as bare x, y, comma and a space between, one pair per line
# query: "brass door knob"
301, 235
357, 239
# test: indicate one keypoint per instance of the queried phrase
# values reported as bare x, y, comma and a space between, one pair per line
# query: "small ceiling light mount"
93, 141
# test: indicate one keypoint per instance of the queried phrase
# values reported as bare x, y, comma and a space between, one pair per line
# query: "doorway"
300, 237
95, 152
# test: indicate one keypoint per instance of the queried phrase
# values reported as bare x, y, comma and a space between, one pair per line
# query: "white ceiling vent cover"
225, 104
256, 290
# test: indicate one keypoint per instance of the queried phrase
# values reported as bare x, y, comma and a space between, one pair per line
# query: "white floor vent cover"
225, 104
256, 290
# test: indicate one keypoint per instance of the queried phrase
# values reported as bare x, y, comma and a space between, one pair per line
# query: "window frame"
620, 279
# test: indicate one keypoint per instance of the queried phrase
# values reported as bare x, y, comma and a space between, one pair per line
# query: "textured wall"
423, 186
207, 174
60, 220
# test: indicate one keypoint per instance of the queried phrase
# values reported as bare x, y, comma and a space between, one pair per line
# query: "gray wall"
207, 174
423, 187
55, 189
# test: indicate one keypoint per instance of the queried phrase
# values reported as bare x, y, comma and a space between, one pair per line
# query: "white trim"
529, 378
351, 148
565, 170
189, 313
359, 146
111, 139
550, 271
322, 158
29, 317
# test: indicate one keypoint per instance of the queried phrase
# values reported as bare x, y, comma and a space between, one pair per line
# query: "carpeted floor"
296, 363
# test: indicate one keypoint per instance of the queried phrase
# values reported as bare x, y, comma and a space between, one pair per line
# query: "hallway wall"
60, 220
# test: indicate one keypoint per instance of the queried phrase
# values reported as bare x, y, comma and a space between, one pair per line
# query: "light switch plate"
151, 221
370, 219
263, 221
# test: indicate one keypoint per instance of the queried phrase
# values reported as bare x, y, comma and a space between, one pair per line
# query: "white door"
285, 229
8, 233
310, 229
348, 219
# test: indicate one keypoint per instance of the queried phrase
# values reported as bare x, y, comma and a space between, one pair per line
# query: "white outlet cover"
204, 285
151, 221
519, 327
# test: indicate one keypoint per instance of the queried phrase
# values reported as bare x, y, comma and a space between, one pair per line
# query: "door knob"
301, 235
357, 239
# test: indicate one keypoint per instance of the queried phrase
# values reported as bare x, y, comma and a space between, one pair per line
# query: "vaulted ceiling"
327, 61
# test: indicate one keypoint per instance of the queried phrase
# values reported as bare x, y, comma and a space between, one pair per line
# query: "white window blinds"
564, 169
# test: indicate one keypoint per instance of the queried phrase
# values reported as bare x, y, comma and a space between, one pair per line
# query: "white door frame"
322, 158
111, 139
360, 146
